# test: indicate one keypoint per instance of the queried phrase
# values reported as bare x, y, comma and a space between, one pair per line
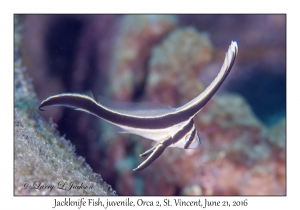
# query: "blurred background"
170, 59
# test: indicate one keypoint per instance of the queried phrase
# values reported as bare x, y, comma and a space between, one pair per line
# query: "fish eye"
187, 137
192, 140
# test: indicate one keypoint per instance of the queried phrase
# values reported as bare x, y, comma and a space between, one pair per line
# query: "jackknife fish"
169, 127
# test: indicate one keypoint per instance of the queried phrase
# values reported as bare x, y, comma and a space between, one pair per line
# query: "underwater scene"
149, 61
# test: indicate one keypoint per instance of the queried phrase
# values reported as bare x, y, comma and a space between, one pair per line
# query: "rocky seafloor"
166, 59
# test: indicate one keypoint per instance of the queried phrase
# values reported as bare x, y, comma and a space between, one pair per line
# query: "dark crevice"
177, 191
61, 42
265, 92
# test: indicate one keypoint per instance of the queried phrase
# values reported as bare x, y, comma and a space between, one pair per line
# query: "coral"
178, 59
276, 136
137, 34
41, 157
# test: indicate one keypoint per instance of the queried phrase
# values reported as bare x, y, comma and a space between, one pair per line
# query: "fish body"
169, 127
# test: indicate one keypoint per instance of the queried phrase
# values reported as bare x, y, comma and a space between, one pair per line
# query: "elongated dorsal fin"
89, 94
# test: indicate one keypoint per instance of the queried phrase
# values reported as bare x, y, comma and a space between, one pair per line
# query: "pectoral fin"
155, 153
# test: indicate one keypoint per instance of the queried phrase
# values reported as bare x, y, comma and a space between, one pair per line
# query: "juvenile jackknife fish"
169, 127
